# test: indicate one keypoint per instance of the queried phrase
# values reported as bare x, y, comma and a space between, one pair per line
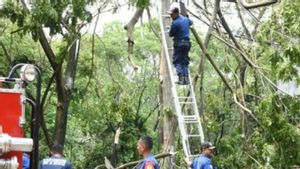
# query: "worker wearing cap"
204, 160
180, 31
144, 147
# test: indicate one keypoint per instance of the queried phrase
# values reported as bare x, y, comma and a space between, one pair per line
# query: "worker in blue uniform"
56, 161
180, 31
204, 161
144, 147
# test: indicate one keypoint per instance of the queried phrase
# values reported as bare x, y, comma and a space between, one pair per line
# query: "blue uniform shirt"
55, 163
202, 162
26, 161
180, 28
149, 159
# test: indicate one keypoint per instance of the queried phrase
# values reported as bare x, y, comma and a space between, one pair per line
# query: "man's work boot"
180, 79
186, 80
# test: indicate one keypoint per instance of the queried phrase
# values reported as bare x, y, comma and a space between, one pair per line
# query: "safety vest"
149, 159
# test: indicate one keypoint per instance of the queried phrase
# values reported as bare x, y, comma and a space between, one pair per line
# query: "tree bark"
169, 124
130, 28
47, 48
130, 25
64, 89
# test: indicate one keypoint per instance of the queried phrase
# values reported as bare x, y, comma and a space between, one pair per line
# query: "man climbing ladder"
183, 98
180, 31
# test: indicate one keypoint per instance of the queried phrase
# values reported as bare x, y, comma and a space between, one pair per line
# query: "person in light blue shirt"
180, 31
204, 161
56, 161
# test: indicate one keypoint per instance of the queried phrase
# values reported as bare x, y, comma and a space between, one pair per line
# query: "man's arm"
188, 162
190, 22
172, 30
192, 164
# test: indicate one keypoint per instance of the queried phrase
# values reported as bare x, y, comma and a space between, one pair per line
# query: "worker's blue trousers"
180, 56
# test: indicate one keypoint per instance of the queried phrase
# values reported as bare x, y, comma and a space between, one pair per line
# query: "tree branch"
130, 28
47, 48
93, 52
260, 15
6, 54
151, 25
260, 3
139, 104
202, 61
134, 163
43, 122
150, 113
229, 32
244, 108
247, 32
198, 40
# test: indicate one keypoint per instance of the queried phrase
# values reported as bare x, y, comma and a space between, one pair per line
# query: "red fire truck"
12, 117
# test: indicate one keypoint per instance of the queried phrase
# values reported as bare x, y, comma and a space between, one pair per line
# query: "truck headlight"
28, 73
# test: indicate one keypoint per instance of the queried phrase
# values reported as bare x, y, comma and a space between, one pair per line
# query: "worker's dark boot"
180, 79
186, 80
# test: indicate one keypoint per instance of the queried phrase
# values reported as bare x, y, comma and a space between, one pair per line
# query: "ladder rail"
196, 109
173, 88
180, 102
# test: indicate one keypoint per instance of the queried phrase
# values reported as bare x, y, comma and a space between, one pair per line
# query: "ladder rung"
187, 86
193, 156
166, 15
186, 102
183, 97
194, 135
190, 119
186, 99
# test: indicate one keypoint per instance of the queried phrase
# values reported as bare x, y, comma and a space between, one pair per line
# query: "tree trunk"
64, 91
64, 84
169, 120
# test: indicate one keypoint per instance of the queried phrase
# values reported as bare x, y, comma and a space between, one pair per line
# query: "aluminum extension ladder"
184, 101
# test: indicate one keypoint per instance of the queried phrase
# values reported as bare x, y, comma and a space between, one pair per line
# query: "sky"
124, 13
